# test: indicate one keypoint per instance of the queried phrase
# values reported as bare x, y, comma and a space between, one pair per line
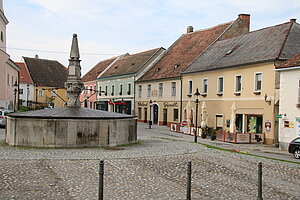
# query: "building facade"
26, 86
289, 101
117, 83
48, 77
9, 76
159, 91
88, 97
237, 81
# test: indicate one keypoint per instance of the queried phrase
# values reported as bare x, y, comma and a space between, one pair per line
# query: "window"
220, 85
2, 36
121, 90
140, 113
8, 79
258, 79
219, 122
175, 114
149, 91
95, 88
204, 85
190, 87
106, 90
129, 89
160, 89
254, 123
112, 90
140, 91
238, 83
173, 89
12, 81
40, 93
100, 91
20, 91
85, 89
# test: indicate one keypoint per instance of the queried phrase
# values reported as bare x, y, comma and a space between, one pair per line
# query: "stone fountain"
71, 126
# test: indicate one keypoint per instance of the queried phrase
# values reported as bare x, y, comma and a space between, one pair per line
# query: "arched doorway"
155, 114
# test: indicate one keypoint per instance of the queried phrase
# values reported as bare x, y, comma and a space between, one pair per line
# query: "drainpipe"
180, 118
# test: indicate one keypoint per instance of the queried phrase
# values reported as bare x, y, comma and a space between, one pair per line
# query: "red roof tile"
190, 45
292, 62
24, 75
95, 71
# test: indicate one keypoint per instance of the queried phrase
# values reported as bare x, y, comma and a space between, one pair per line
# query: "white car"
3, 114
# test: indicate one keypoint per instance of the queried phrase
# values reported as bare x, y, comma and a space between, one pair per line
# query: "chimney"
293, 20
245, 18
36, 56
189, 29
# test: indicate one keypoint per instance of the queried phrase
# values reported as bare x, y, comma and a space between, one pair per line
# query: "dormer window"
157, 69
176, 66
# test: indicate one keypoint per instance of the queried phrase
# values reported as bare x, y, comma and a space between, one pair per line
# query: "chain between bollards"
259, 194
101, 175
189, 180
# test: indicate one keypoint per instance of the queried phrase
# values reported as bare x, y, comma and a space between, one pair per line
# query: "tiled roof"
292, 62
46, 72
95, 71
128, 64
268, 44
183, 51
24, 76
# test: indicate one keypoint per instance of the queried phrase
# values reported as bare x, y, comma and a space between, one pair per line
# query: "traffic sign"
184, 123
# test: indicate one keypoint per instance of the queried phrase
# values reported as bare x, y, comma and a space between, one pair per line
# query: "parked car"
3, 114
294, 147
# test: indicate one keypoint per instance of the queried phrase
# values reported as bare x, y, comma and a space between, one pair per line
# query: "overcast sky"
107, 28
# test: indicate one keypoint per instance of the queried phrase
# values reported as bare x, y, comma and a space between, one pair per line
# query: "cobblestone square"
155, 168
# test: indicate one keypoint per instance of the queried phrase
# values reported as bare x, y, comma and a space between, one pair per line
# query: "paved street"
155, 168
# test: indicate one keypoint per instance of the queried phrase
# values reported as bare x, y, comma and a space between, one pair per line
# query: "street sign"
278, 116
184, 123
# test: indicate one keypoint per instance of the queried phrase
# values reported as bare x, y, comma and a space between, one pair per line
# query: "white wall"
288, 100
24, 95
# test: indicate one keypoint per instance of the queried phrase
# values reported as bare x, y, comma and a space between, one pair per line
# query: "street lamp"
197, 104
15, 95
150, 121
27, 94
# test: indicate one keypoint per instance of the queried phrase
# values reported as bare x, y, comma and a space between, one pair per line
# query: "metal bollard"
259, 194
189, 180
150, 123
101, 174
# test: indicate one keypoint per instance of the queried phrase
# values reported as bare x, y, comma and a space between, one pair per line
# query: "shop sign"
297, 119
278, 116
268, 126
175, 104
142, 104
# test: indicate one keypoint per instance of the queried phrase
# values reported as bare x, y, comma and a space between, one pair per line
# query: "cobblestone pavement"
153, 169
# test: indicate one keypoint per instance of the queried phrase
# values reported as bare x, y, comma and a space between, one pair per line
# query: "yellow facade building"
237, 82
51, 96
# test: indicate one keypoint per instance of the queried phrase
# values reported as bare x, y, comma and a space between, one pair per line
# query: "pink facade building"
9, 71
88, 96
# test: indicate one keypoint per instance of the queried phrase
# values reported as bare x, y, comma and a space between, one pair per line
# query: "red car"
294, 147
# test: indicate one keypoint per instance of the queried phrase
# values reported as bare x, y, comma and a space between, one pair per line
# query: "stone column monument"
74, 84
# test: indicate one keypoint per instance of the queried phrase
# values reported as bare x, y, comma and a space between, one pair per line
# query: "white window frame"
203, 86
160, 89
235, 84
255, 82
218, 85
140, 91
190, 87
40, 92
149, 90
173, 89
